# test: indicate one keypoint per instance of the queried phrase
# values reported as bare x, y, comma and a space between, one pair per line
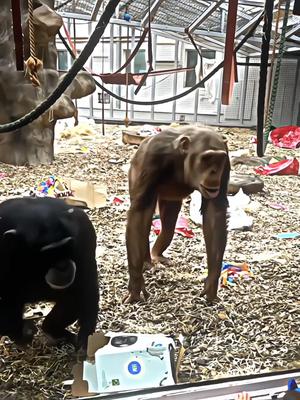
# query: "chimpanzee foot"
134, 296
66, 337
148, 265
161, 259
28, 331
210, 290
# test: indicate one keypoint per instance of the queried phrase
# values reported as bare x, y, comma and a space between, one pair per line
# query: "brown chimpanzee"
47, 252
165, 169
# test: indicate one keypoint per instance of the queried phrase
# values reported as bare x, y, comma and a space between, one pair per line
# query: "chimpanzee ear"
10, 238
63, 245
62, 275
182, 144
225, 140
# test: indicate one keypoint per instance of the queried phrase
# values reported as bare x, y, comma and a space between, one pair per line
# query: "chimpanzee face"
204, 164
208, 171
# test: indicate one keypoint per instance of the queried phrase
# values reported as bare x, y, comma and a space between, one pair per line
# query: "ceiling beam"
153, 10
292, 31
204, 15
96, 10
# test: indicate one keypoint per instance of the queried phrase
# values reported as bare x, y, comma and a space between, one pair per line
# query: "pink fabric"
283, 167
181, 227
286, 136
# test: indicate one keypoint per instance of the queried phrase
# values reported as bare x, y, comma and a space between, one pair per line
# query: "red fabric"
286, 136
181, 227
283, 167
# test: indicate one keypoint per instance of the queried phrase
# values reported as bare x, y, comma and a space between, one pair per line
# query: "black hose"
180, 95
84, 55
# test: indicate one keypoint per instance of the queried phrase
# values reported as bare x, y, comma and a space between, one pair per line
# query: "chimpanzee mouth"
210, 193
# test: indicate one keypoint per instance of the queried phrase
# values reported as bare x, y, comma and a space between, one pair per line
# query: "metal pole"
130, 70
111, 57
153, 87
175, 81
244, 90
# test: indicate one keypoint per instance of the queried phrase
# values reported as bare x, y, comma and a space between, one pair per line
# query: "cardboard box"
125, 361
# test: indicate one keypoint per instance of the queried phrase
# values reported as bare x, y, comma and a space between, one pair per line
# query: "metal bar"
244, 28
228, 68
91, 68
86, 17
130, 70
204, 15
244, 90
175, 81
292, 31
111, 67
96, 10
175, 31
153, 10
260, 386
153, 86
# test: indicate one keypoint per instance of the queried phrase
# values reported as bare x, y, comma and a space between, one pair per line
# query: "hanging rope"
85, 54
277, 71
68, 78
33, 64
276, 36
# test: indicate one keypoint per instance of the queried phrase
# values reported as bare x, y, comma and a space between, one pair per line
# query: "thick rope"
68, 78
85, 54
31, 28
272, 62
33, 64
277, 71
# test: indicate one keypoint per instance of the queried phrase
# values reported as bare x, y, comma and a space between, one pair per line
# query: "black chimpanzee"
47, 252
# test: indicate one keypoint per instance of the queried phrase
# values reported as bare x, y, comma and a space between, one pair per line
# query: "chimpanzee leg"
89, 304
12, 323
63, 314
215, 235
137, 242
168, 211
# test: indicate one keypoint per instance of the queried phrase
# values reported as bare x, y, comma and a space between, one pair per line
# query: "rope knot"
33, 65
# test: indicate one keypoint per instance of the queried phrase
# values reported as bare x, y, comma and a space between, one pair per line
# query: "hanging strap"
18, 34
269, 6
229, 69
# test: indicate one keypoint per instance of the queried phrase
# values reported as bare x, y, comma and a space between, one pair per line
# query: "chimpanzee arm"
215, 235
137, 243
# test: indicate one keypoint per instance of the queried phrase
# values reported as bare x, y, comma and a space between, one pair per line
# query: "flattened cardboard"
80, 387
96, 341
86, 194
